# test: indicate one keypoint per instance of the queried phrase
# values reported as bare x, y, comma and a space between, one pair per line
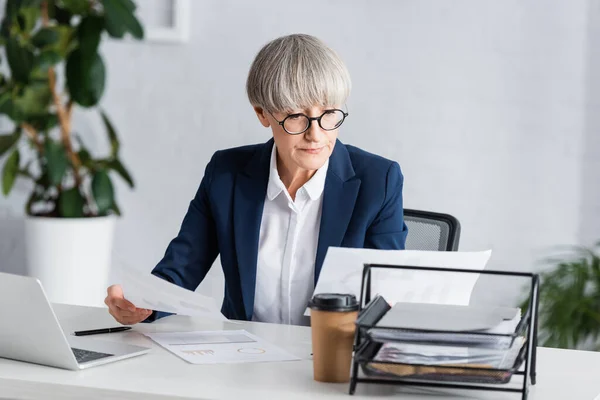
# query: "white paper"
460, 339
220, 347
145, 290
343, 267
411, 353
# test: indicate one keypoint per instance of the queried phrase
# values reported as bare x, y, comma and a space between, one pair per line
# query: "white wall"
590, 177
487, 106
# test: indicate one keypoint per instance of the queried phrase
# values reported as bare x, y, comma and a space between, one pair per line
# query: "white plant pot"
71, 257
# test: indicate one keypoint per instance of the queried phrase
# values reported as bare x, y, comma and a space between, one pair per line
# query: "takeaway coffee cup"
332, 317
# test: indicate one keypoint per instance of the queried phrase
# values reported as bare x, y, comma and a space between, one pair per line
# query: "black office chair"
431, 231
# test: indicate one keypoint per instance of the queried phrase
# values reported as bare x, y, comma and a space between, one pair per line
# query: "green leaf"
46, 60
85, 158
11, 11
6, 105
112, 19
57, 161
85, 78
65, 42
115, 208
77, 6
71, 203
130, 5
8, 141
20, 60
135, 28
31, 3
28, 16
12, 111
119, 18
112, 134
34, 101
61, 15
88, 34
5, 28
118, 167
45, 122
103, 192
39, 76
12, 8
9, 172
45, 37
83, 153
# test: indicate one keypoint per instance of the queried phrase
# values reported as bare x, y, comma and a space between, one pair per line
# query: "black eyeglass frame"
310, 120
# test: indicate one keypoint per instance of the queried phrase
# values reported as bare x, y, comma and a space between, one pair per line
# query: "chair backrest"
431, 231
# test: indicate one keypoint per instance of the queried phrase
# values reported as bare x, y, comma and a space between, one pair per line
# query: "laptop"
30, 331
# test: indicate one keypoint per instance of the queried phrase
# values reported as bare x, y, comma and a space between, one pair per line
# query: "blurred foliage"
38, 36
569, 304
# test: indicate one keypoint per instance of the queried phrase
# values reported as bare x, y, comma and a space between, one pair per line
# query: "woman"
271, 210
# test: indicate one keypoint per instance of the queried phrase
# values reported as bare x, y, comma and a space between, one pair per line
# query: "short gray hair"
297, 72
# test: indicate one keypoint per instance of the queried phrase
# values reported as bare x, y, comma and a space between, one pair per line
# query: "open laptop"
30, 331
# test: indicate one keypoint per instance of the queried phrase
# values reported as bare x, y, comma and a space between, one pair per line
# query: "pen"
105, 330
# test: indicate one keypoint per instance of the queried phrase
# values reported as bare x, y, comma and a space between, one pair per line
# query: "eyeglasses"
295, 124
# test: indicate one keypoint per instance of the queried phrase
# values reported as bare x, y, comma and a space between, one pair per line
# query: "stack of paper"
444, 335
418, 323
407, 353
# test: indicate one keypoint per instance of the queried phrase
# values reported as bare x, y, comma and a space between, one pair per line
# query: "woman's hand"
122, 310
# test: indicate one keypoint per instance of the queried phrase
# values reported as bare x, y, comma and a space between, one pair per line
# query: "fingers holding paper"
122, 310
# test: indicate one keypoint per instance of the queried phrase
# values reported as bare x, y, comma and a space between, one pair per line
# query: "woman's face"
309, 150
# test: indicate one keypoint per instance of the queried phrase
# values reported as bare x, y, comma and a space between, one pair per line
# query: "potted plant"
51, 48
569, 304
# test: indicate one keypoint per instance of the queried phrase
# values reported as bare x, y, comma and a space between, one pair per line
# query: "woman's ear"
262, 116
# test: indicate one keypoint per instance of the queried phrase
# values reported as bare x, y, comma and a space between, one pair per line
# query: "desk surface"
562, 374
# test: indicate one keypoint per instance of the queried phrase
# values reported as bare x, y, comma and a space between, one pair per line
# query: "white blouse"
287, 249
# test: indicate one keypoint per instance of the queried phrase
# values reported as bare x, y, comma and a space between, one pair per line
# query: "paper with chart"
220, 347
342, 273
148, 291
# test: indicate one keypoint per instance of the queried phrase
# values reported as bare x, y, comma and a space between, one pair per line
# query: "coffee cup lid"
337, 302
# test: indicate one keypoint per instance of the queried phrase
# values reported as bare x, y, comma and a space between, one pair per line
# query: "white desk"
561, 375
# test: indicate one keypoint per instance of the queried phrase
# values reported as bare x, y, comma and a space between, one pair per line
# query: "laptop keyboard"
83, 356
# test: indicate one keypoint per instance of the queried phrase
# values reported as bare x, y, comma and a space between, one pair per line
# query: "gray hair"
296, 72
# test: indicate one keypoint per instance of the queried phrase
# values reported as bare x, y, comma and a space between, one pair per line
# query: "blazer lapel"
248, 204
339, 197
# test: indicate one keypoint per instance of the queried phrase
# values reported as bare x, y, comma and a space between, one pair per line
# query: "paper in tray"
462, 375
378, 307
442, 338
433, 355
465, 373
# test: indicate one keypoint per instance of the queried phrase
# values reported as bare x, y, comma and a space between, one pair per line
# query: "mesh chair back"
431, 231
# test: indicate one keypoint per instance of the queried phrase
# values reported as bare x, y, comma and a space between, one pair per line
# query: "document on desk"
343, 267
220, 347
148, 291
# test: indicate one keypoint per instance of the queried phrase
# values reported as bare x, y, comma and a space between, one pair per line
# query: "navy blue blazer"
362, 208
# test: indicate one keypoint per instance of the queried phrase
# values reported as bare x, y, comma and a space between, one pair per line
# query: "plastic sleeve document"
145, 290
342, 273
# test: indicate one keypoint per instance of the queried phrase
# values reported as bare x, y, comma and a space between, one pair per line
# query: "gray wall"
487, 106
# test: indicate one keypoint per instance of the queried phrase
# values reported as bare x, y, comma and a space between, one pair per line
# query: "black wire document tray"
394, 355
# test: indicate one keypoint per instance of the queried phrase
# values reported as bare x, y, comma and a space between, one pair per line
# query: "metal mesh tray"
447, 373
